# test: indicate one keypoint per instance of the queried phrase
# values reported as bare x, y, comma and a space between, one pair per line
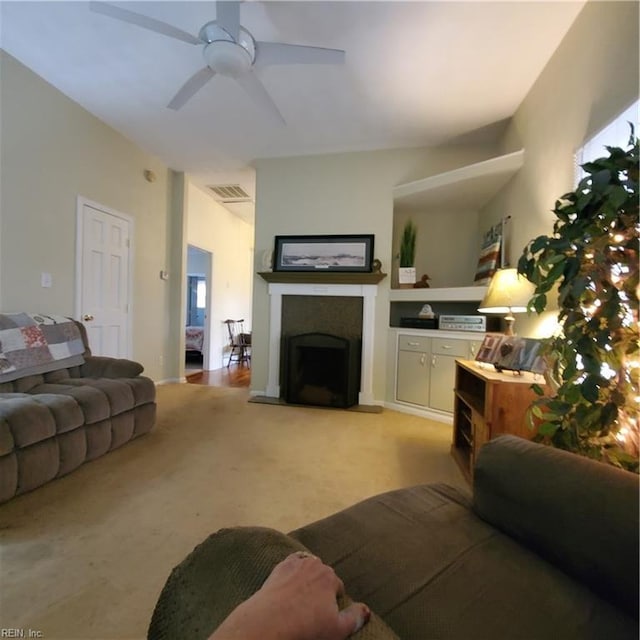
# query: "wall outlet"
46, 280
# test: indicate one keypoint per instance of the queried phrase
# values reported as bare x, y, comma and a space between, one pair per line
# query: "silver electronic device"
463, 323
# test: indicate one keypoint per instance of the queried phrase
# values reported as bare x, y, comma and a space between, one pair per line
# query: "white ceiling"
416, 74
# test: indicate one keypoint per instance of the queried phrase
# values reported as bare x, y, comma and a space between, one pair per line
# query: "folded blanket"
35, 343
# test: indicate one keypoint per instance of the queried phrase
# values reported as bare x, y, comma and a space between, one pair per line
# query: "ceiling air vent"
229, 193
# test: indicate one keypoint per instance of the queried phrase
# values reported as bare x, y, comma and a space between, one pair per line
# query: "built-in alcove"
447, 210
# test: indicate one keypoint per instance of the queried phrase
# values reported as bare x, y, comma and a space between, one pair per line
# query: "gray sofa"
547, 547
54, 421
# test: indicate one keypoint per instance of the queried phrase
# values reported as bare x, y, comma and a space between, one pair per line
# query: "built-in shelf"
322, 277
466, 187
440, 294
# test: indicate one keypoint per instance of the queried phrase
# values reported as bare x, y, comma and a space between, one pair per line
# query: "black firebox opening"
322, 369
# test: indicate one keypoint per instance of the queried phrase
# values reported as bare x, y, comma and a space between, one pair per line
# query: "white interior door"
103, 278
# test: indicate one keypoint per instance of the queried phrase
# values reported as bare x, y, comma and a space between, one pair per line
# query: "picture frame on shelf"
511, 353
339, 253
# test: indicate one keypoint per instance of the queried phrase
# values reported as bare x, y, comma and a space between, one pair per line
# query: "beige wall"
52, 151
592, 77
230, 241
335, 194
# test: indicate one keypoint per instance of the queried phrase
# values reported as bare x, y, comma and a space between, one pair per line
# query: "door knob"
87, 317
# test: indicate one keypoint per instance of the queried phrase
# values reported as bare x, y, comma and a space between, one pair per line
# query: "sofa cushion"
28, 421
143, 389
98, 439
145, 418
24, 385
567, 508
105, 367
118, 393
219, 574
66, 412
8, 476
93, 402
122, 429
73, 450
61, 375
37, 464
7, 443
431, 568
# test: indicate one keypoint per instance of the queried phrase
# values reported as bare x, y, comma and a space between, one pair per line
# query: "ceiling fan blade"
191, 87
280, 53
143, 21
228, 17
251, 84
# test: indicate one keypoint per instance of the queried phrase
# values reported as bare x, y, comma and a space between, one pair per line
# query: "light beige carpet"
86, 556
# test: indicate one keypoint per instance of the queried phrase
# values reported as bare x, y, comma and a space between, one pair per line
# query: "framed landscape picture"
324, 253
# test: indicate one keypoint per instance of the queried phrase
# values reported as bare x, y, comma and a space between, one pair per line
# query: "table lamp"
508, 293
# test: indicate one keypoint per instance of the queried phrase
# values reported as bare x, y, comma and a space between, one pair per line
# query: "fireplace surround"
368, 294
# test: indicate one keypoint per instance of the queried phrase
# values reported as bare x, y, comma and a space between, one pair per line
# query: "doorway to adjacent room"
198, 310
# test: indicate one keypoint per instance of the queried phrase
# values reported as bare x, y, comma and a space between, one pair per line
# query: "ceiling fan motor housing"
223, 54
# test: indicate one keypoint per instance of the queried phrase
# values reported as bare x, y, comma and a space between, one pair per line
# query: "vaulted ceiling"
415, 74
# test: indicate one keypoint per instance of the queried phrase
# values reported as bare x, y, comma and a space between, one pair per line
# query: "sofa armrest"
104, 367
219, 574
580, 514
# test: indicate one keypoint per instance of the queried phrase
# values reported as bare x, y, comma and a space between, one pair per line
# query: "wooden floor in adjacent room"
237, 375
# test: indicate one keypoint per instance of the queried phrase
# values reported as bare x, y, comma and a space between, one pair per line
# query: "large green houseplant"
591, 260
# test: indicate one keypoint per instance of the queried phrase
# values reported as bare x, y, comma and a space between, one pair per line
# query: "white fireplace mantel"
367, 292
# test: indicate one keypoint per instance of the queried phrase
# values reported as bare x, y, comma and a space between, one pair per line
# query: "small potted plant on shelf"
407, 270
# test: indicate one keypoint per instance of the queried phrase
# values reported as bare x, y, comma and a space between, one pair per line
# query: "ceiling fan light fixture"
211, 32
227, 58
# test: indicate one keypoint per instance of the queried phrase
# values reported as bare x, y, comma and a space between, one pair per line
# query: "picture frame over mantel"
324, 253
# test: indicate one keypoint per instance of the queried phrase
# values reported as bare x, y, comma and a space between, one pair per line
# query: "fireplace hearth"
322, 369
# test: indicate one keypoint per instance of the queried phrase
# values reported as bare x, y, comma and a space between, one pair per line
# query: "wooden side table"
487, 404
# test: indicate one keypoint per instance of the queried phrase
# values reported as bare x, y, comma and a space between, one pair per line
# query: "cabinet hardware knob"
413, 344
87, 317
447, 346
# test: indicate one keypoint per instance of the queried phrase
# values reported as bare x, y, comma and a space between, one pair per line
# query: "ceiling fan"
229, 50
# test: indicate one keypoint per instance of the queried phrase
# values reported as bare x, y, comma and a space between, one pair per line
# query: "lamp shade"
508, 292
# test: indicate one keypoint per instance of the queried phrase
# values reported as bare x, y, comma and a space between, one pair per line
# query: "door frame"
81, 202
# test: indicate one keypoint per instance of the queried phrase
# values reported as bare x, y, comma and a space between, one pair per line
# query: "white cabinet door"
443, 371
413, 377
443, 375
412, 383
